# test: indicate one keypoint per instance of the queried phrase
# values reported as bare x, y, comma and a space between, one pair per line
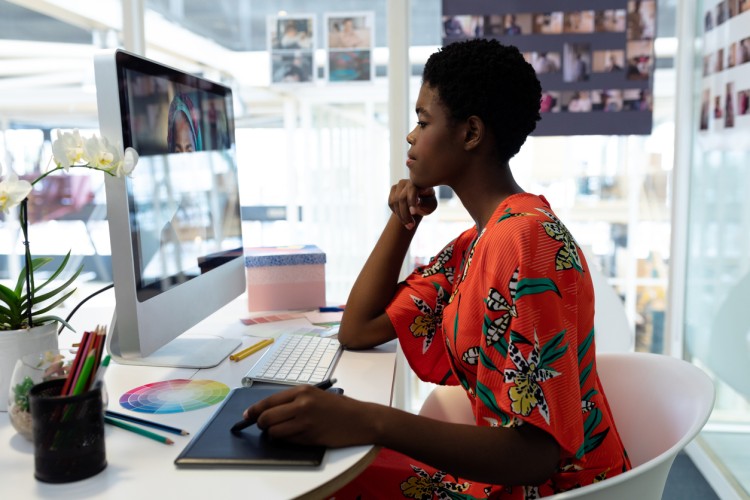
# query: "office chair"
659, 404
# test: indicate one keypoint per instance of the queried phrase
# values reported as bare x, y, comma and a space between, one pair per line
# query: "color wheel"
174, 396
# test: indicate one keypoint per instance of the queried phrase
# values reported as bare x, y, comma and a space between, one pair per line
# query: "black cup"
68, 433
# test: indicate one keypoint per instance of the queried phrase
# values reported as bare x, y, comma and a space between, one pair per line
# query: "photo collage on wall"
291, 42
725, 94
594, 59
349, 39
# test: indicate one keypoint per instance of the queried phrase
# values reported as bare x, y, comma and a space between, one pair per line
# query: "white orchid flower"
100, 154
68, 149
129, 161
104, 156
13, 191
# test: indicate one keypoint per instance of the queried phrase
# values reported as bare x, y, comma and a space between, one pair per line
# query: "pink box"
289, 277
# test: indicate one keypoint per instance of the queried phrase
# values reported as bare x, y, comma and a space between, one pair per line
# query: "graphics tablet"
215, 445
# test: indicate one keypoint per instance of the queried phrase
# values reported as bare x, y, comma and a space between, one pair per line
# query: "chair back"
659, 404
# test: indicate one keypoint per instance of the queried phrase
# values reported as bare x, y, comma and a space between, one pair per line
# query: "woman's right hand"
407, 201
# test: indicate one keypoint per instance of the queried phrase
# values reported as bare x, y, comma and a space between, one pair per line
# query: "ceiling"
47, 47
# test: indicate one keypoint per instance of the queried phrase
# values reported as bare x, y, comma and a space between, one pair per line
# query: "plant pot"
17, 343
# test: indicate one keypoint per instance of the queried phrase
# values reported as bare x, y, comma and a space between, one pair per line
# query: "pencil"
138, 430
83, 377
250, 350
147, 423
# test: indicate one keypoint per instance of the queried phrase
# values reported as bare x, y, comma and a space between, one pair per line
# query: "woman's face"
183, 138
435, 155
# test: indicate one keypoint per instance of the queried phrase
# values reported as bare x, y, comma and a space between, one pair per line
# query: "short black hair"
492, 81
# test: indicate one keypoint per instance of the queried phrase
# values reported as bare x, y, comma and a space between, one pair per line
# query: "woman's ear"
474, 132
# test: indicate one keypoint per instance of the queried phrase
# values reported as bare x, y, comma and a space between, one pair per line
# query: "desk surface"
138, 466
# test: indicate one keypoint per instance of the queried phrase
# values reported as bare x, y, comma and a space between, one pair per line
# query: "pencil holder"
68, 433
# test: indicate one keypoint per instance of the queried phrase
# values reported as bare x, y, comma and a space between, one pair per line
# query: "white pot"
17, 343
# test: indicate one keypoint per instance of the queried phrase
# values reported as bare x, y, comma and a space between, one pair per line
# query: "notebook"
214, 445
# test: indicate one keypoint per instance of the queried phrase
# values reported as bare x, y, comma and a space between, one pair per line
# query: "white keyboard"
296, 359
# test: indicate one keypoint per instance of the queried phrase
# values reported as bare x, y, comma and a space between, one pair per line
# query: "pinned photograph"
293, 67
507, 24
640, 59
608, 61
463, 26
349, 66
350, 32
576, 62
610, 21
545, 62
548, 23
291, 45
292, 33
579, 22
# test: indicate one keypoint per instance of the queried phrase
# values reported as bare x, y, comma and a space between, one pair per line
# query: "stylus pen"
147, 423
243, 424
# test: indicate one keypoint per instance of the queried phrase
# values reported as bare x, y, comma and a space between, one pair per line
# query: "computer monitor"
174, 225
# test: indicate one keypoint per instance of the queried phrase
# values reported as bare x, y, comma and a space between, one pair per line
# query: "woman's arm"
365, 323
496, 455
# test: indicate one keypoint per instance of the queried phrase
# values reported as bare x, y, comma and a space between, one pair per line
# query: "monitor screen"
175, 224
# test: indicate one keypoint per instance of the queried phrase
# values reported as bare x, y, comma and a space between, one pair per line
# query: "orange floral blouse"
509, 315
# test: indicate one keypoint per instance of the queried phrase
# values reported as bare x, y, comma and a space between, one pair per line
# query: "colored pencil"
83, 377
138, 430
75, 368
250, 350
99, 377
147, 423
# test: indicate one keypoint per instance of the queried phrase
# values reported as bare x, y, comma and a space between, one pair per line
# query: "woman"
505, 310
184, 134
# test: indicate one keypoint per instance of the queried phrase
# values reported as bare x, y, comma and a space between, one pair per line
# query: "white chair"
659, 404
613, 330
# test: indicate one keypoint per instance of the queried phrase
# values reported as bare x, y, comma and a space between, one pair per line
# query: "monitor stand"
182, 352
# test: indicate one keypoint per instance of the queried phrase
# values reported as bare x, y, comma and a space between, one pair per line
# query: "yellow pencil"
253, 348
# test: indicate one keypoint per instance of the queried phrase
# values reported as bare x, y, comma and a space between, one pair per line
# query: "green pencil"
138, 430
83, 377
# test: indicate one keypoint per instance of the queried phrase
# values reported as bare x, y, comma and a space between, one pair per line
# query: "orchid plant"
28, 304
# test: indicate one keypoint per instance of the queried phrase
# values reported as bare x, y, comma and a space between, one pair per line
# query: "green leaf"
583, 348
502, 347
517, 338
36, 263
594, 441
486, 395
486, 361
38, 321
56, 303
585, 373
529, 286
552, 350
38, 299
57, 272
10, 298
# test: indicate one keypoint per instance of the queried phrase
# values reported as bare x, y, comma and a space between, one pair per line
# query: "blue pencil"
147, 423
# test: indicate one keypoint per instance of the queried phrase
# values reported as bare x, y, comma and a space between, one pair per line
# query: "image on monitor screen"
175, 226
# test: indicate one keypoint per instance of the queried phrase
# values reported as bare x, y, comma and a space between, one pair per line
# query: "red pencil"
75, 369
76, 360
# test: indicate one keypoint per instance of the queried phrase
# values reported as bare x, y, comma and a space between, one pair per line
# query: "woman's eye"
422, 124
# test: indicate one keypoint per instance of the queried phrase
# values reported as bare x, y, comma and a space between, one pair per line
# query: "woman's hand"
407, 200
311, 416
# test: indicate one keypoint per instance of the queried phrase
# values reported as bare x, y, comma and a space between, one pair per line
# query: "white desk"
142, 468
